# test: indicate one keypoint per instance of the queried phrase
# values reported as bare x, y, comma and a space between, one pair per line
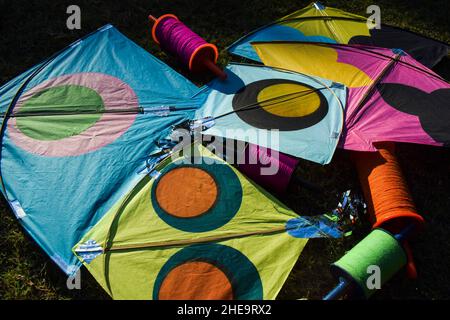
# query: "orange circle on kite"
196, 280
186, 192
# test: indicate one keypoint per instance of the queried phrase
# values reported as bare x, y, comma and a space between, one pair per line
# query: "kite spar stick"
180, 41
328, 22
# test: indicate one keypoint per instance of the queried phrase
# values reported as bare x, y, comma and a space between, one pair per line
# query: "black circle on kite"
208, 271
281, 104
431, 108
197, 197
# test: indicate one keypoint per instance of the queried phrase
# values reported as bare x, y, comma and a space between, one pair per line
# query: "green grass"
33, 30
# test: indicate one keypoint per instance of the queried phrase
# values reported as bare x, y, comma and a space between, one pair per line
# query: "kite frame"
361, 47
249, 64
394, 60
39, 67
325, 18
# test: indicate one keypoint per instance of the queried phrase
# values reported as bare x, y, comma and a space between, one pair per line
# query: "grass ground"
32, 30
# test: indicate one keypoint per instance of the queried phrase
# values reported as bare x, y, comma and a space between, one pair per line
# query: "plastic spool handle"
338, 291
215, 69
411, 270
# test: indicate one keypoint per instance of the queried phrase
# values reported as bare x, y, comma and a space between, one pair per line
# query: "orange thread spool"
389, 202
388, 199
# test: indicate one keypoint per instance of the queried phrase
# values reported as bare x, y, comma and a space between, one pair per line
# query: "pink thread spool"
278, 182
177, 39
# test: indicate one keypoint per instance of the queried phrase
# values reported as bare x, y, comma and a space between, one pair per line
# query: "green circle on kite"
242, 274
226, 204
79, 109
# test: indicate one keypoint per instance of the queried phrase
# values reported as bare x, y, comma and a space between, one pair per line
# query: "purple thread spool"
257, 157
177, 39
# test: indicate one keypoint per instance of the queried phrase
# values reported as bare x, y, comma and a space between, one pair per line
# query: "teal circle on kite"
197, 197
208, 271
281, 104
73, 114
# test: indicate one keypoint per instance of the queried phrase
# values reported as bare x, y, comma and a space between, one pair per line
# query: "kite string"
387, 193
176, 38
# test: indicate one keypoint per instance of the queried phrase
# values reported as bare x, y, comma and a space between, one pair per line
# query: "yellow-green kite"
194, 228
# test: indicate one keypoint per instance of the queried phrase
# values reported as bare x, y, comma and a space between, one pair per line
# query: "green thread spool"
379, 248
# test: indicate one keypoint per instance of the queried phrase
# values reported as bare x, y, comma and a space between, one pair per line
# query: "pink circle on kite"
116, 95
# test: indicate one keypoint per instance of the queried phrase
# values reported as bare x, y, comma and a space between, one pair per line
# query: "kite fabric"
317, 23
296, 113
391, 97
79, 128
79, 125
195, 228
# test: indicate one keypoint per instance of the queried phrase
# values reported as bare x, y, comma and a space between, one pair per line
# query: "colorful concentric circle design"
208, 271
72, 114
197, 197
280, 104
